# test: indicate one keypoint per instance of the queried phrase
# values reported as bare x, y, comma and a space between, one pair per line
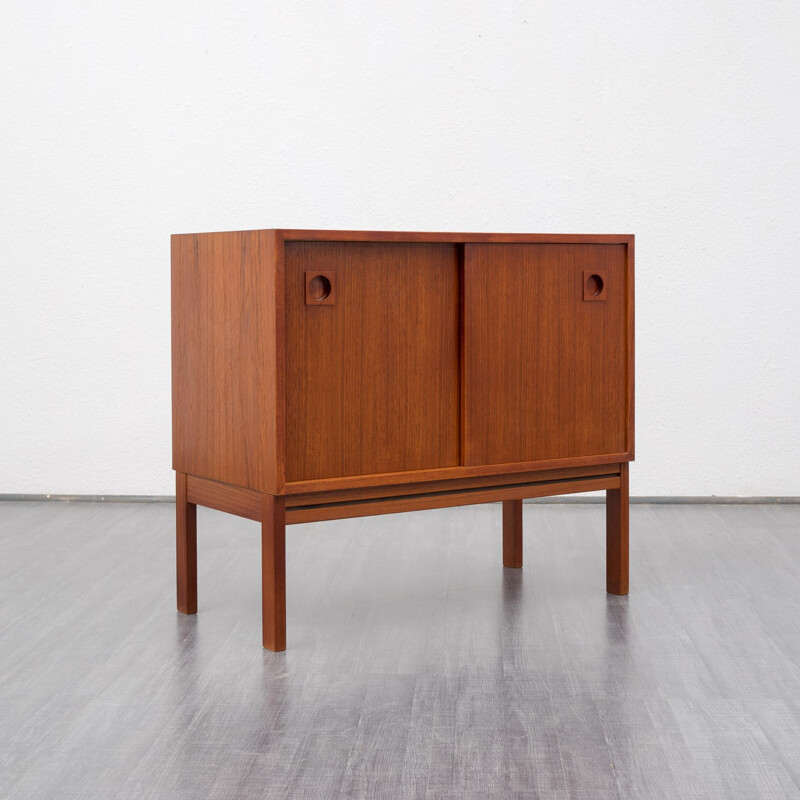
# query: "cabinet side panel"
631, 359
224, 363
545, 362
372, 368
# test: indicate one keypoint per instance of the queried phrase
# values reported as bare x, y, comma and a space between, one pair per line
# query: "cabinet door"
371, 358
545, 352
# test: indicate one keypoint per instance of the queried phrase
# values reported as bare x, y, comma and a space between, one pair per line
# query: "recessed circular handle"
594, 285
319, 288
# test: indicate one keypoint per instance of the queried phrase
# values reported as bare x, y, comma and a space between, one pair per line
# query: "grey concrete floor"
417, 666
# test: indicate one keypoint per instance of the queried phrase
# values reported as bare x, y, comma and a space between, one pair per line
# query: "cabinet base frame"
274, 512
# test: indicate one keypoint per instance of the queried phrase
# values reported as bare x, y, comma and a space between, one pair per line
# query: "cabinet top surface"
300, 234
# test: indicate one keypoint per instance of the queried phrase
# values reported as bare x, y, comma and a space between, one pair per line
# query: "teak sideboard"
326, 374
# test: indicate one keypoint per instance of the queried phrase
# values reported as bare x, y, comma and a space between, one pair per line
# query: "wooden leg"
273, 572
186, 541
617, 535
512, 533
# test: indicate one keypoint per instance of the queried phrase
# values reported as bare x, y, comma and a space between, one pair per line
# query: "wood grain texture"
617, 517
450, 473
418, 502
186, 547
419, 668
474, 482
630, 365
296, 234
328, 374
372, 381
223, 497
544, 372
512, 533
226, 346
249, 504
273, 573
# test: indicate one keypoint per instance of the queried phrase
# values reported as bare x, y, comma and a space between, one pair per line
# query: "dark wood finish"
273, 572
512, 533
186, 547
544, 371
617, 513
329, 374
373, 380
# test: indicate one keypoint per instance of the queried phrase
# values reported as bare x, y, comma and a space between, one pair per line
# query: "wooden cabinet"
328, 374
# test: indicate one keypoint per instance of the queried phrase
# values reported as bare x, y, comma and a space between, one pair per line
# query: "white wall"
123, 123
